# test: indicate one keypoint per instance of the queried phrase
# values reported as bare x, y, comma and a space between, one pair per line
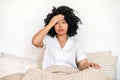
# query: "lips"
60, 30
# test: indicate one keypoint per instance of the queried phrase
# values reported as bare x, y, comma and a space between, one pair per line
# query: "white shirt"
71, 53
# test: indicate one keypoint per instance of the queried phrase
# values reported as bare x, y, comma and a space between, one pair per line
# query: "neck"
62, 37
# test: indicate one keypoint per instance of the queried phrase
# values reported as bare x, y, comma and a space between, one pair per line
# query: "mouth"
60, 30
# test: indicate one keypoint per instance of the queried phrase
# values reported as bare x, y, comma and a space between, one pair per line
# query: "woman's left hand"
93, 65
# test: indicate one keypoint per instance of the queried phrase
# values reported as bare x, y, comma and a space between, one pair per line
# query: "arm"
37, 39
84, 64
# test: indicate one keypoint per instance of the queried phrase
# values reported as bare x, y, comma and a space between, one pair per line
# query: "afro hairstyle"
69, 17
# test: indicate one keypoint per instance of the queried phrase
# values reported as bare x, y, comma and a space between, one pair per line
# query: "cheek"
56, 28
66, 27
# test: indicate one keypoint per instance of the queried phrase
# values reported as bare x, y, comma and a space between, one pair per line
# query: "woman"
59, 40
63, 52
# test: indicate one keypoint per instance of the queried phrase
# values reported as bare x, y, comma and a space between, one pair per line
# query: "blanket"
16, 76
60, 73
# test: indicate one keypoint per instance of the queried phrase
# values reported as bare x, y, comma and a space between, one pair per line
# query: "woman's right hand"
55, 19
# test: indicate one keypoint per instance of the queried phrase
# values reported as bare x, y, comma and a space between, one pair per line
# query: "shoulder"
74, 38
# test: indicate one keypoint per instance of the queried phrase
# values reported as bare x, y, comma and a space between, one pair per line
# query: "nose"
60, 24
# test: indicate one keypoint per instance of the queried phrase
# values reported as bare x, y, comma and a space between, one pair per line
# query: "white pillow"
40, 59
100, 53
10, 64
108, 64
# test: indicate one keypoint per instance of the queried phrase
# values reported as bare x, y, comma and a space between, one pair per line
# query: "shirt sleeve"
80, 52
45, 41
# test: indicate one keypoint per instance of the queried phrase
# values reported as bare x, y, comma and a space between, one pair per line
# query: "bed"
15, 68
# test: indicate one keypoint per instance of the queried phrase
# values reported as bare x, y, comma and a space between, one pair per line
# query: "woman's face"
61, 27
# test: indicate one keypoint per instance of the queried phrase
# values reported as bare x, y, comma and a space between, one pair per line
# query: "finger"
57, 18
92, 65
60, 17
97, 66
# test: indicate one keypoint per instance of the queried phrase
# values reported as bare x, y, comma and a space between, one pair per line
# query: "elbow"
37, 44
34, 43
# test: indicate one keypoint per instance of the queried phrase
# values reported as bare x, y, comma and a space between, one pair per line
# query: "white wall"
21, 19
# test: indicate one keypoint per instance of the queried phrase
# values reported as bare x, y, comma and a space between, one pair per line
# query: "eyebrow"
63, 20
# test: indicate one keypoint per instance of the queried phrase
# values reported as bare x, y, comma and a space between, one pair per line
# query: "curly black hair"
69, 17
